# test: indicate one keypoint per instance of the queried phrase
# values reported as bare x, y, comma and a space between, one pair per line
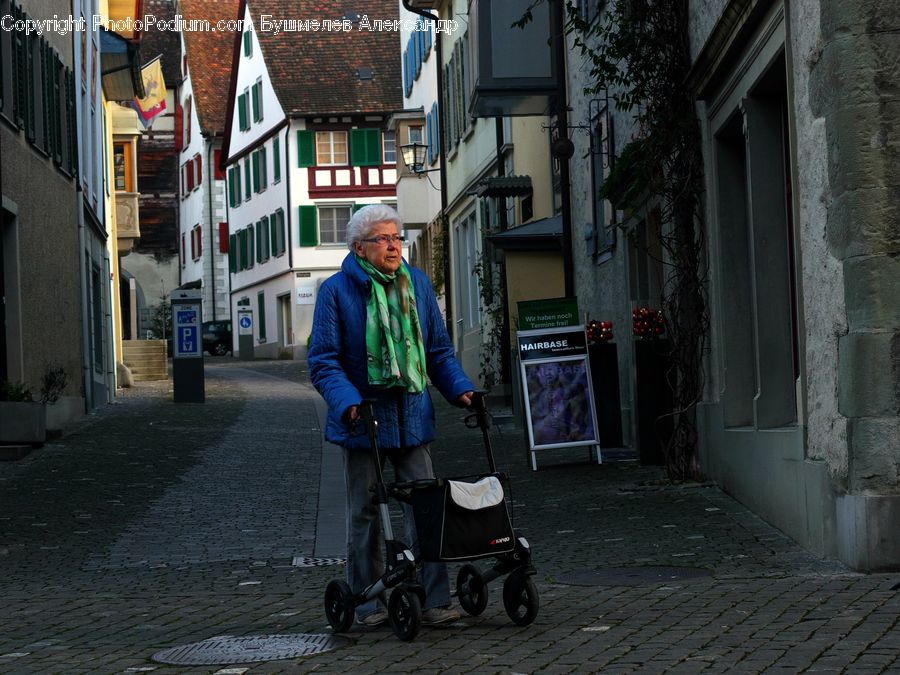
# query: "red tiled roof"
316, 73
209, 59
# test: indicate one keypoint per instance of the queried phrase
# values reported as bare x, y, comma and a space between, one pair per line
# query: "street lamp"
413, 156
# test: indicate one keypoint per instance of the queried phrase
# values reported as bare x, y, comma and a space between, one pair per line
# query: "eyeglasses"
385, 239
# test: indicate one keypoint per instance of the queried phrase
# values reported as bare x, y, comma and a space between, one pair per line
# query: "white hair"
361, 223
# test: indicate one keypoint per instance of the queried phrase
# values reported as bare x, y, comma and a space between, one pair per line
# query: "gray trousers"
365, 548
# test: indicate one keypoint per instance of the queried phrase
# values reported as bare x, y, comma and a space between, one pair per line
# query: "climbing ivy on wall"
638, 52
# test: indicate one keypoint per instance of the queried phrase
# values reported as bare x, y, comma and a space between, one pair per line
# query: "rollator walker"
458, 519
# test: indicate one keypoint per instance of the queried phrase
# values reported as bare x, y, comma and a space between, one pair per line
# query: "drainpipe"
210, 177
110, 375
445, 226
290, 209
502, 222
86, 375
562, 125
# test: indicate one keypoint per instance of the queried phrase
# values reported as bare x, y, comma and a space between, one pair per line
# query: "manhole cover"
300, 561
629, 576
251, 649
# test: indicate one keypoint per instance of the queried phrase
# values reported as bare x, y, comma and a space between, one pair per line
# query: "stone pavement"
152, 525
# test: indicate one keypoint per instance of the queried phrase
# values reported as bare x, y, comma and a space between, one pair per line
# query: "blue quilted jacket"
337, 362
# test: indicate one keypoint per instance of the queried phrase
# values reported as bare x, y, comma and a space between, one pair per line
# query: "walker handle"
484, 423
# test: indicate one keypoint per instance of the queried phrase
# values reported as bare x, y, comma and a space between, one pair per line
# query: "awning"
540, 235
120, 68
504, 186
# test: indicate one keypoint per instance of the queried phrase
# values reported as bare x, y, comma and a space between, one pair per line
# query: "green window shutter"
357, 207
365, 147
254, 161
309, 232
242, 112
261, 317
267, 239
29, 87
231, 188
276, 159
242, 240
259, 256
254, 96
72, 122
263, 168
248, 43
250, 247
247, 184
306, 149
232, 253
273, 234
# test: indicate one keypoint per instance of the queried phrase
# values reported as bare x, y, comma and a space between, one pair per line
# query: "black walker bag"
458, 520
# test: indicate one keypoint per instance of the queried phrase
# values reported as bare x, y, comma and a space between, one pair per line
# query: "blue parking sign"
187, 342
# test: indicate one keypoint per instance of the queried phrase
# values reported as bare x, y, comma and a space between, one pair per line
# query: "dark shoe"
439, 615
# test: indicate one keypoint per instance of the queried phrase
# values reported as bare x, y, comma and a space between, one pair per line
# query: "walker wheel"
471, 591
405, 613
339, 606
520, 597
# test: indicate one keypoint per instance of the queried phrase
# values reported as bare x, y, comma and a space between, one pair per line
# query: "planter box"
23, 423
66, 410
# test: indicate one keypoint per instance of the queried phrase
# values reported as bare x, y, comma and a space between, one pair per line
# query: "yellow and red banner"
154, 101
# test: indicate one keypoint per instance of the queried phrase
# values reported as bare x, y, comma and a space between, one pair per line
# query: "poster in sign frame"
557, 390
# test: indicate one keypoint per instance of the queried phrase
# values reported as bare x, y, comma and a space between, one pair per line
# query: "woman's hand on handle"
465, 399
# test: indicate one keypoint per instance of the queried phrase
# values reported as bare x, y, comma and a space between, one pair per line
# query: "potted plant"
22, 419
59, 409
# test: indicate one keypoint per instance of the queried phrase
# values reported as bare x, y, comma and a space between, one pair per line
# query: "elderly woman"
378, 334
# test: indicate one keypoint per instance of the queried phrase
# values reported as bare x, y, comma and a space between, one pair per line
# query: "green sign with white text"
550, 313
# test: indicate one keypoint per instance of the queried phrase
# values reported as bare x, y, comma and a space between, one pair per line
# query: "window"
468, 290
122, 167
248, 43
333, 224
261, 315
276, 233
603, 233
186, 132
260, 171
198, 170
331, 148
196, 243
276, 159
415, 134
183, 251
188, 172
257, 101
243, 114
248, 186
389, 147
262, 240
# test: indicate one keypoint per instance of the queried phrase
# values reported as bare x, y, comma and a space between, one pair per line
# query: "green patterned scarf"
394, 351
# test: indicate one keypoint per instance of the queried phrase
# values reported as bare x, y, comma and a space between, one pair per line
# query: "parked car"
217, 337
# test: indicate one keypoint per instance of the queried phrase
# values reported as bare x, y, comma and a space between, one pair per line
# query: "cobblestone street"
152, 525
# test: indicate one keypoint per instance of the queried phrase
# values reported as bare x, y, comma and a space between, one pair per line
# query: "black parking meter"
187, 347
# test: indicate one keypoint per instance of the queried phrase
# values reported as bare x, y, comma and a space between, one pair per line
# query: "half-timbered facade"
306, 145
